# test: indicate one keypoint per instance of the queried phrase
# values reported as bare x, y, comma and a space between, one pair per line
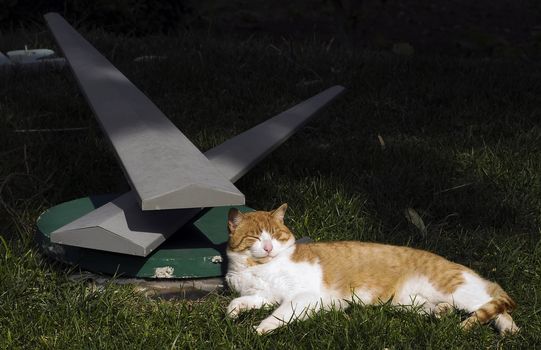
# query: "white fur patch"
472, 294
265, 235
363, 295
418, 291
277, 279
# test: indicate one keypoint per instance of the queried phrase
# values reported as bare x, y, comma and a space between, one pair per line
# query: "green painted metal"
197, 250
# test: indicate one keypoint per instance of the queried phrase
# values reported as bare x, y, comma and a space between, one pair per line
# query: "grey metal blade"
121, 226
121, 220
239, 154
164, 168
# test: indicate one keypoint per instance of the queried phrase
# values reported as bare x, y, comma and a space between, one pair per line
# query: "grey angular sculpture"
144, 139
122, 225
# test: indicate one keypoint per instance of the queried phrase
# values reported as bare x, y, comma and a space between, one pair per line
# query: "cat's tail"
497, 309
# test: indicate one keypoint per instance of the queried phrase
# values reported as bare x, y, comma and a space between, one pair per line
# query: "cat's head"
259, 235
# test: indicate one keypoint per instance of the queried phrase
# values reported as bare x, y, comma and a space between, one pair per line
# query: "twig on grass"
454, 188
49, 130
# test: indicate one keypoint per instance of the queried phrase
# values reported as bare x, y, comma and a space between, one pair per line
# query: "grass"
462, 149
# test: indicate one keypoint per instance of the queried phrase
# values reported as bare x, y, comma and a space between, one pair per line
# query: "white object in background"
33, 59
29, 56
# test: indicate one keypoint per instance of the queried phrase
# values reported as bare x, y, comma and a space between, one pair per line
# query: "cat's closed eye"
281, 236
245, 242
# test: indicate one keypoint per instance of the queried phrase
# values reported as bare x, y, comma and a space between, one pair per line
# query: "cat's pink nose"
267, 246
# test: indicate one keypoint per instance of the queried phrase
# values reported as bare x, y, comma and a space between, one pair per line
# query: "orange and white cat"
266, 267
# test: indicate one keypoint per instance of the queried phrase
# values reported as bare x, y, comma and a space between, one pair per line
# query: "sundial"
172, 222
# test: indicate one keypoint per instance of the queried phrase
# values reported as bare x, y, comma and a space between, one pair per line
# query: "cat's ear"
280, 213
233, 219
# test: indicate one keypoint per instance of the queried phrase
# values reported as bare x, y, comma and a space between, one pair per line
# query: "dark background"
498, 28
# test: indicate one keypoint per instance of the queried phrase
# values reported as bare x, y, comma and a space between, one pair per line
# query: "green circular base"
196, 250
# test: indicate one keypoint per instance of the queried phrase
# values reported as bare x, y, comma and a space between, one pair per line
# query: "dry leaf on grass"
415, 219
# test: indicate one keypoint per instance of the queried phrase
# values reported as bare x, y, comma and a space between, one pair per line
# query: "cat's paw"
234, 309
244, 303
265, 327
469, 323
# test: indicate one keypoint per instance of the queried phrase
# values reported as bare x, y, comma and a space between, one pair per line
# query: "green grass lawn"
462, 141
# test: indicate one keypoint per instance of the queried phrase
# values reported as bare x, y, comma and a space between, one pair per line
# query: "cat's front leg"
245, 302
298, 308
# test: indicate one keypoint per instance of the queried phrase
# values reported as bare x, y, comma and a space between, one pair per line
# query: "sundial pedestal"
172, 224
196, 250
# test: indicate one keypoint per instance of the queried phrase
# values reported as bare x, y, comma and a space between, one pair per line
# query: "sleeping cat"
266, 267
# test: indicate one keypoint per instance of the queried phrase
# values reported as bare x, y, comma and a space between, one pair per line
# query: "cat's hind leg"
492, 311
486, 301
297, 308
246, 302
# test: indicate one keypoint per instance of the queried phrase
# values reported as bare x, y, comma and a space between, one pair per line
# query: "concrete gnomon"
172, 224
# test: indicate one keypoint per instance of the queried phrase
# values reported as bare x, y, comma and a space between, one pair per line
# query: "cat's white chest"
276, 280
